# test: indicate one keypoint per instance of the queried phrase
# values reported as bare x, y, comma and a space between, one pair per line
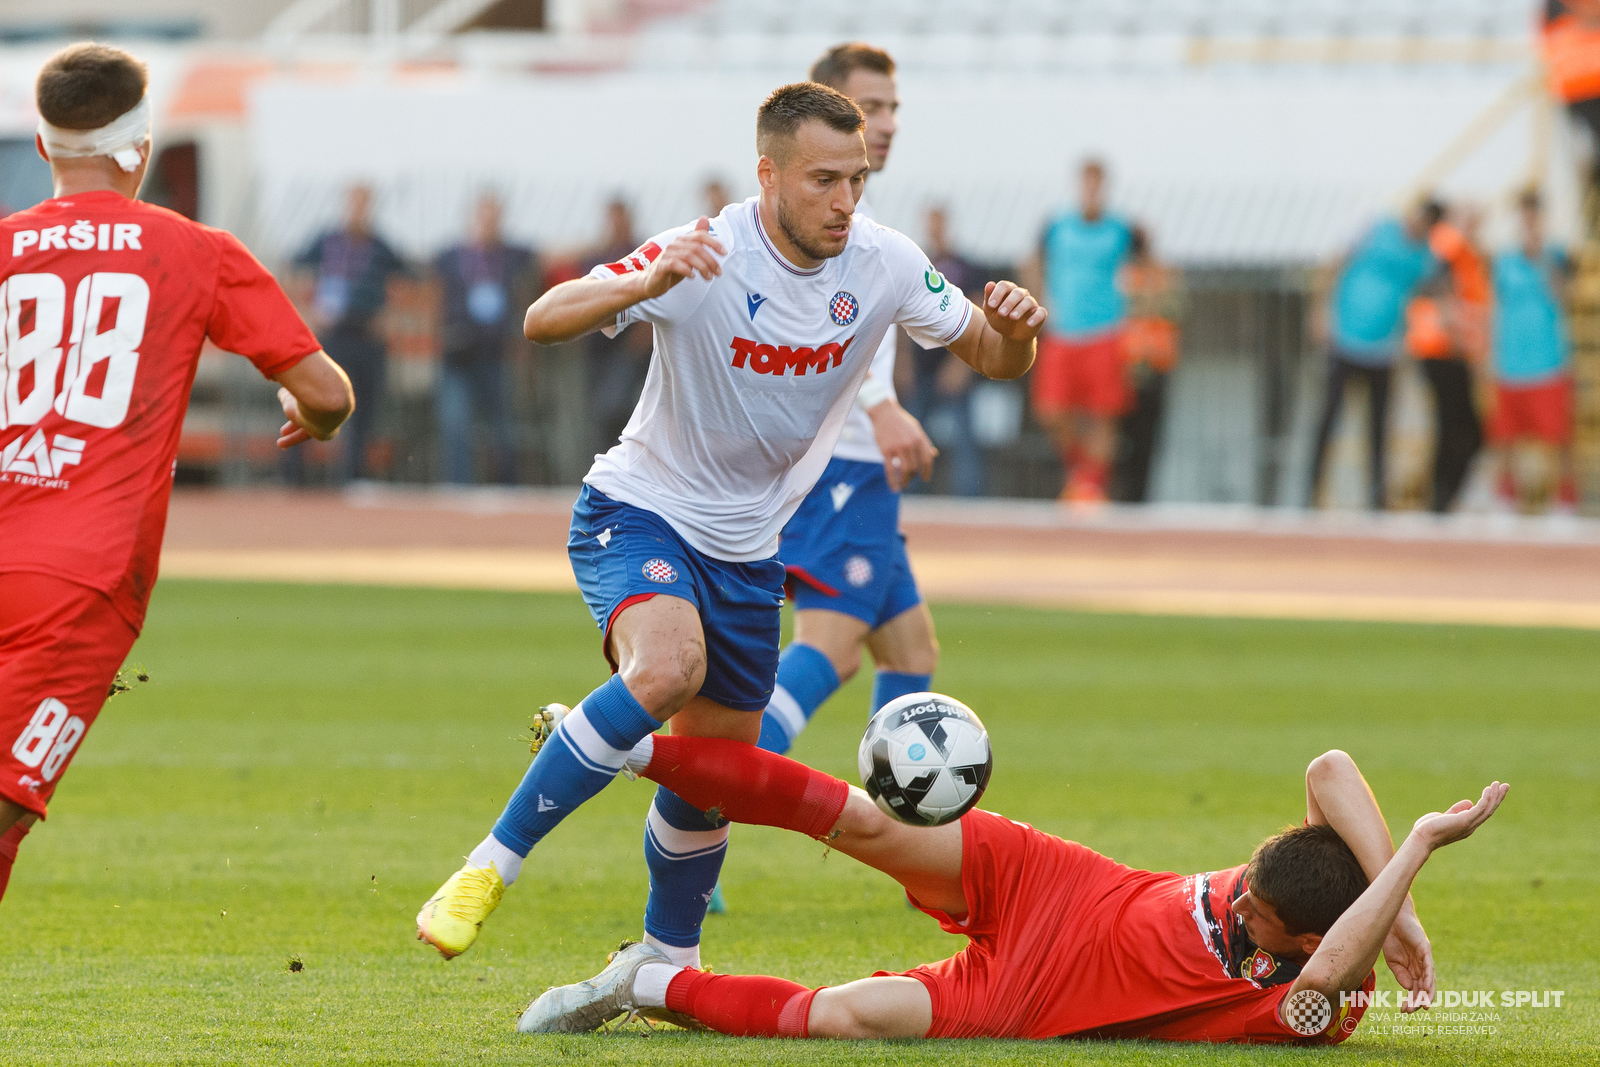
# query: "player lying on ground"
1064, 941
765, 321
107, 302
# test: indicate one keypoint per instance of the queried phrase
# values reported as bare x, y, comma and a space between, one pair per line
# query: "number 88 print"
49, 738
40, 350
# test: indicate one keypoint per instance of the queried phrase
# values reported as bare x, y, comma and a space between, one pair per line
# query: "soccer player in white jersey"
849, 577
766, 319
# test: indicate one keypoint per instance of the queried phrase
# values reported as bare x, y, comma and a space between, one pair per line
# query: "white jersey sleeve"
932, 311
675, 304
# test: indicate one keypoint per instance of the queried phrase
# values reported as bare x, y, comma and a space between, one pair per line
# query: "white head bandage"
122, 139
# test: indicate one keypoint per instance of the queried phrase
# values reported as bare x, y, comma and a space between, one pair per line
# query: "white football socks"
650, 984
681, 957
508, 863
639, 758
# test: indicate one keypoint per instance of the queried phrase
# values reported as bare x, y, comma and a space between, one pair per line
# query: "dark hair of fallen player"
84, 86
790, 106
1308, 875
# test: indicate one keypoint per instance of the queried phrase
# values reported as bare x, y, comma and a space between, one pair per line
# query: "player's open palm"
1438, 829
1011, 311
685, 256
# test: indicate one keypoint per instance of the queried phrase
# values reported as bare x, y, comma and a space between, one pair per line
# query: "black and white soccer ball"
925, 759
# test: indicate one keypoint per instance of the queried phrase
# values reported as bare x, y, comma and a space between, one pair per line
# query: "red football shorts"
1020, 886
60, 647
1543, 412
1086, 375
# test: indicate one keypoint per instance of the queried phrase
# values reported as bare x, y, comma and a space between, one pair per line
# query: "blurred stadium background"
1255, 139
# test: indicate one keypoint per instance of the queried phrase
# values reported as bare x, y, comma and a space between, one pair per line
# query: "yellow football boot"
452, 917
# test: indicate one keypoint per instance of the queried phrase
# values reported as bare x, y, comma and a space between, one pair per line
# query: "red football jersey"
1069, 943
107, 302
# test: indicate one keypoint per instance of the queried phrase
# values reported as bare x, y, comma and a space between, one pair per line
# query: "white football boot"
586, 1006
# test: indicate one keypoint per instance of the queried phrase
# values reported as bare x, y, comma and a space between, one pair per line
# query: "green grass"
307, 765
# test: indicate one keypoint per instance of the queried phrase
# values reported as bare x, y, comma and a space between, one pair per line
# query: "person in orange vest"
1150, 350
1572, 59
1446, 331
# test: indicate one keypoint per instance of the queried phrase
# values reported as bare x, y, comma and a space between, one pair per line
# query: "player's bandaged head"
791, 106
1308, 875
91, 100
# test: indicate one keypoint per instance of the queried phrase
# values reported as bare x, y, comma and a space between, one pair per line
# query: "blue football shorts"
622, 554
843, 549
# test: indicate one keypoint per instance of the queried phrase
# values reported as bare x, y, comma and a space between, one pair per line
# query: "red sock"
9, 842
742, 1005
1090, 472
1505, 486
747, 784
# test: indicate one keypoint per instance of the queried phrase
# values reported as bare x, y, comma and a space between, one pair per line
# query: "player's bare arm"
1000, 342
581, 306
905, 445
316, 398
1350, 947
1338, 796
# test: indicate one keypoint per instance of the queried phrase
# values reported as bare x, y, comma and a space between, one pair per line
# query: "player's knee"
846, 662
918, 657
835, 1014
861, 820
665, 681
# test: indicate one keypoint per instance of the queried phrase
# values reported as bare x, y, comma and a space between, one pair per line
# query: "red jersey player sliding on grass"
1064, 941
106, 303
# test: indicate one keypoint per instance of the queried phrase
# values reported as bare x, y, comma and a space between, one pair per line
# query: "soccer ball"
925, 759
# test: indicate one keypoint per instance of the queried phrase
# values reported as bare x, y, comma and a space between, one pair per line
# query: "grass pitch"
308, 764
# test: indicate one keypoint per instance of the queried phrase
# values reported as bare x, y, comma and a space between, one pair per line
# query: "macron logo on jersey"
755, 300
778, 359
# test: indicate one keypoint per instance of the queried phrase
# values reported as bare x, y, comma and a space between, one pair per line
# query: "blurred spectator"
617, 368
1572, 61
352, 267
485, 285
1078, 384
1445, 334
941, 384
1364, 327
717, 197
1150, 349
1532, 356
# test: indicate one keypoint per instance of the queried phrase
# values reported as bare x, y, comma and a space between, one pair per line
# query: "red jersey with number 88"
106, 303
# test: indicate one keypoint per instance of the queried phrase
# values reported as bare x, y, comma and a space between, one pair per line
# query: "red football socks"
742, 1005
743, 783
9, 842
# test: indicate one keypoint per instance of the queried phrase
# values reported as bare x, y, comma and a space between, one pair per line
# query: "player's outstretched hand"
905, 445
1410, 956
1011, 311
1438, 829
297, 431
686, 255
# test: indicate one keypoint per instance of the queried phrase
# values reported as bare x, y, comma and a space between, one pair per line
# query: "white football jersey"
857, 440
754, 371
